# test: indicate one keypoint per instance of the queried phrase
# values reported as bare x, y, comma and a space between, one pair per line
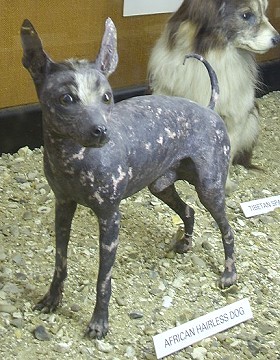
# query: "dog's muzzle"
98, 136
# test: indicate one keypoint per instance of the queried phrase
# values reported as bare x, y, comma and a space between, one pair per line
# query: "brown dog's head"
218, 23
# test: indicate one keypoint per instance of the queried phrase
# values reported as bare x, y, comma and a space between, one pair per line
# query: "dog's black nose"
276, 40
99, 131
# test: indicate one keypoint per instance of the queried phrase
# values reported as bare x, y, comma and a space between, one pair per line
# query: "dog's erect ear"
107, 59
34, 59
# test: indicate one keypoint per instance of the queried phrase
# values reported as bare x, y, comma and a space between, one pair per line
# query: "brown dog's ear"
107, 58
34, 58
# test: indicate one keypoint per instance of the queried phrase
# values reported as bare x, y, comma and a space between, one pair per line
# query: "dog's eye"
107, 97
67, 99
248, 16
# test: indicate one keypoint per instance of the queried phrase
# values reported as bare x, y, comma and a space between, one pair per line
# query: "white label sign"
260, 206
195, 330
145, 7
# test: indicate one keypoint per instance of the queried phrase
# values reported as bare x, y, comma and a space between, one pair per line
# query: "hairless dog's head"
73, 89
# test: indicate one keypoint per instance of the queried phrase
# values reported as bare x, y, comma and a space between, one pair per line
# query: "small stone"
18, 259
241, 222
7, 308
136, 314
5, 230
20, 180
32, 175
199, 353
11, 288
254, 347
103, 346
198, 262
178, 282
130, 352
41, 333
266, 328
14, 230
75, 307
149, 356
167, 301
232, 204
18, 334
150, 331
52, 319
44, 209
62, 347
121, 301
27, 215
18, 323
2, 255
21, 276
206, 245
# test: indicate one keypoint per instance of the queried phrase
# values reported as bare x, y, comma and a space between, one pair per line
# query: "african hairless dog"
97, 153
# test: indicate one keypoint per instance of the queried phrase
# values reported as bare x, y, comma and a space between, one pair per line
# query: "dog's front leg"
64, 212
108, 243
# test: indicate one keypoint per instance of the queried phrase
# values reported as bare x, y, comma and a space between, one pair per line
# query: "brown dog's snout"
276, 40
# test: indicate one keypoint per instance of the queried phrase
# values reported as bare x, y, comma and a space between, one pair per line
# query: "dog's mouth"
96, 143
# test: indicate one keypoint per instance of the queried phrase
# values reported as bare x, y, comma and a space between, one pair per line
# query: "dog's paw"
231, 186
48, 303
182, 246
97, 329
228, 278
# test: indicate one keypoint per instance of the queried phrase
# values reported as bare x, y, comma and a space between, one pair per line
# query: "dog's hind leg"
170, 197
214, 201
64, 212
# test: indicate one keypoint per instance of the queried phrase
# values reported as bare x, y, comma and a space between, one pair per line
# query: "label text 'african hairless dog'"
97, 153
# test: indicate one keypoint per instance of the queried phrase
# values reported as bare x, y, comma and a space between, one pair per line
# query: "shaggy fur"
226, 33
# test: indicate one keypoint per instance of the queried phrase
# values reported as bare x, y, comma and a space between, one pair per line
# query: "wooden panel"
71, 28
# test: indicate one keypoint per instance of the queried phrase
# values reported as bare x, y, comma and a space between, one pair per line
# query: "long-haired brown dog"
227, 33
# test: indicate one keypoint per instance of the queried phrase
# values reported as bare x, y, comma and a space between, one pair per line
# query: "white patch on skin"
160, 140
87, 176
148, 146
90, 176
112, 246
158, 113
117, 180
106, 281
226, 150
70, 171
85, 83
229, 264
80, 155
130, 174
98, 197
83, 178
219, 134
170, 134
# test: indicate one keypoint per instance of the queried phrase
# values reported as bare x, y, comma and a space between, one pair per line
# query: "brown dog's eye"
67, 99
248, 16
107, 97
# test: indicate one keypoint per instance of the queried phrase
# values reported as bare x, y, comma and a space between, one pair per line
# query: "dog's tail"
213, 79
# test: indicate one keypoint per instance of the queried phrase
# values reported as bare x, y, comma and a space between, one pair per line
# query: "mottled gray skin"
97, 153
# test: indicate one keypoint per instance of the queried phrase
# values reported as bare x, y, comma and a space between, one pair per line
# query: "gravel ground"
153, 289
